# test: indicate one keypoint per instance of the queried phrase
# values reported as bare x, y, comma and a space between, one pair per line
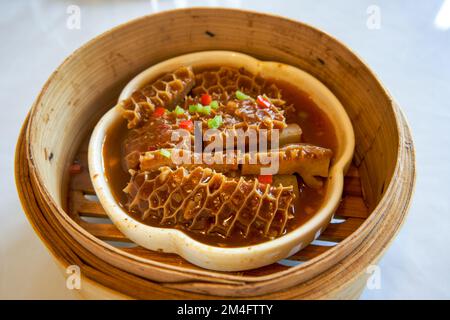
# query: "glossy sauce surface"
317, 130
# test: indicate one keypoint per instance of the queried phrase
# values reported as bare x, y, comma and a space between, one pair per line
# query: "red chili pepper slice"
206, 99
263, 102
186, 124
159, 112
266, 179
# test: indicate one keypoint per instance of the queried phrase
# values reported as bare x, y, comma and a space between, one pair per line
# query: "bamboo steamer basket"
378, 187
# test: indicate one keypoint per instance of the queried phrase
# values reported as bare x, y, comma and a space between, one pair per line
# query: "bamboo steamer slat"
89, 81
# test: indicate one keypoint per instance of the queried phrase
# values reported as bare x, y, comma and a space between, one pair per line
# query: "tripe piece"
209, 202
291, 134
308, 161
167, 92
223, 83
153, 160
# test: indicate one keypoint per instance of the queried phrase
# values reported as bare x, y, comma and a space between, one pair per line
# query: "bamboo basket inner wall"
88, 83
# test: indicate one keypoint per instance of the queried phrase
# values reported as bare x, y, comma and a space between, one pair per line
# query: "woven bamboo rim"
320, 277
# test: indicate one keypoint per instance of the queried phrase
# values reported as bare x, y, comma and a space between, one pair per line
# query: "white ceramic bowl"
241, 258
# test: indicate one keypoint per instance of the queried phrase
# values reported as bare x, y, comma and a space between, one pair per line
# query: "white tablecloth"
410, 51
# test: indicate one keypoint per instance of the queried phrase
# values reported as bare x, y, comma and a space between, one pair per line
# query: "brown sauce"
317, 130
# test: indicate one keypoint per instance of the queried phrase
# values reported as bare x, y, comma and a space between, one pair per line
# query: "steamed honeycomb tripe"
222, 197
224, 81
207, 201
152, 160
154, 133
167, 91
308, 161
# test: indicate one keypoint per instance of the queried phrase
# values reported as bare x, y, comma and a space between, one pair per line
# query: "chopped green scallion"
206, 110
215, 122
193, 108
178, 111
214, 105
242, 96
165, 153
